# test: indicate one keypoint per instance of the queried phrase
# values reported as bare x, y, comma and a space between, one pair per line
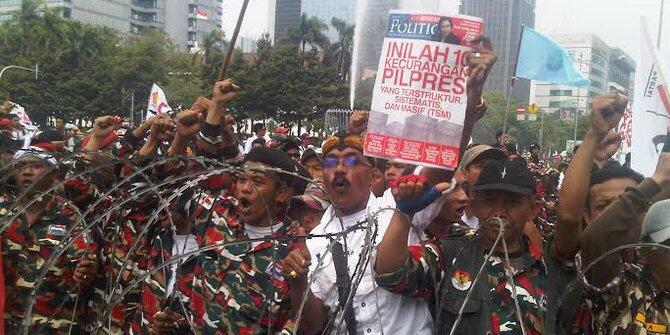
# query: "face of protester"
445, 28
517, 209
394, 170
16, 123
307, 217
261, 132
294, 154
31, 170
657, 262
454, 204
260, 193
347, 182
314, 167
472, 172
603, 194
59, 124
378, 183
535, 152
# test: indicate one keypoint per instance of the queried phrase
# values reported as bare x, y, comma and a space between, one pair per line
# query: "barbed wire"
192, 180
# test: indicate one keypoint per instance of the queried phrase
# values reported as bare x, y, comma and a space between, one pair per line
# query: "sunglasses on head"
348, 161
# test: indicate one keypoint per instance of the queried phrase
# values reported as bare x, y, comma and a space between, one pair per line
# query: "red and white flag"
201, 15
157, 102
651, 106
23, 116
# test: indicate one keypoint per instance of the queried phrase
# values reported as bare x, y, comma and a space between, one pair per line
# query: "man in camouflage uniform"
536, 163
230, 289
630, 294
444, 270
28, 242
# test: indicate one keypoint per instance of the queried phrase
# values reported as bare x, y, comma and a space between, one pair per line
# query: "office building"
185, 21
607, 68
188, 21
503, 20
285, 19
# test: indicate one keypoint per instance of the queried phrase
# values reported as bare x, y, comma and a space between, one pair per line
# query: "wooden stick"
231, 46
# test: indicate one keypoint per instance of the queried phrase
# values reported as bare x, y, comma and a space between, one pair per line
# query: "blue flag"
542, 59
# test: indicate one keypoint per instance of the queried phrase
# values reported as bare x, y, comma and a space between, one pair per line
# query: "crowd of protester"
179, 227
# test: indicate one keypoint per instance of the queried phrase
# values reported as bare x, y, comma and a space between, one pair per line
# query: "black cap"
276, 159
309, 153
506, 175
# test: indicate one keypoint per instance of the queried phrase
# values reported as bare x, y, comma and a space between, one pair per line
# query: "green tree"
555, 131
344, 46
309, 32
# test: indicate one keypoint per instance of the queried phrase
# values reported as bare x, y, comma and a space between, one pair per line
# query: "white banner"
157, 102
650, 107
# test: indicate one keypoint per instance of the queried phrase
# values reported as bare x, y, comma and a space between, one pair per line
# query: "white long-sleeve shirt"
377, 310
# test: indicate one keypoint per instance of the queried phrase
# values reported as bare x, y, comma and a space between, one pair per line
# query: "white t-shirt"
258, 232
377, 310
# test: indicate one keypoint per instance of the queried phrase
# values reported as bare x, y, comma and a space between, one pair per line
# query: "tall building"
326, 10
503, 20
607, 68
188, 21
286, 18
185, 21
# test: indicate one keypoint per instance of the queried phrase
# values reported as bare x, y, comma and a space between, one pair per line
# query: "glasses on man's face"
348, 161
293, 154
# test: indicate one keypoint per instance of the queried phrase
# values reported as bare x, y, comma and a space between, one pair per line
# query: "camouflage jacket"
238, 288
442, 272
633, 307
25, 249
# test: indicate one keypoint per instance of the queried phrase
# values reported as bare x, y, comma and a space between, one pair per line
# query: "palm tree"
344, 46
309, 32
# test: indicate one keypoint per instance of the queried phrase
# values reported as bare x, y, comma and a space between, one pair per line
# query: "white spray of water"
361, 13
363, 17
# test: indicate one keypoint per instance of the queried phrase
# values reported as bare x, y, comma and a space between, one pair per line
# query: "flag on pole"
24, 119
651, 106
201, 14
157, 102
542, 59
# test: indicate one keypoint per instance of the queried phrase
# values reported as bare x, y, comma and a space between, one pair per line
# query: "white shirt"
254, 232
471, 221
248, 144
377, 310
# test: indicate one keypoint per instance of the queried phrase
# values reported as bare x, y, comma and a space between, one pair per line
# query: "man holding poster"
420, 98
347, 176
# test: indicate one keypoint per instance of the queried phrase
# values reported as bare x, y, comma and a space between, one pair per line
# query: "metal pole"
231, 46
579, 92
509, 96
20, 68
132, 109
576, 119
660, 26
541, 130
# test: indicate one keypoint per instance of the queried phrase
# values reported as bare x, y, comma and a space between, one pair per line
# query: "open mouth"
340, 184
245, 204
